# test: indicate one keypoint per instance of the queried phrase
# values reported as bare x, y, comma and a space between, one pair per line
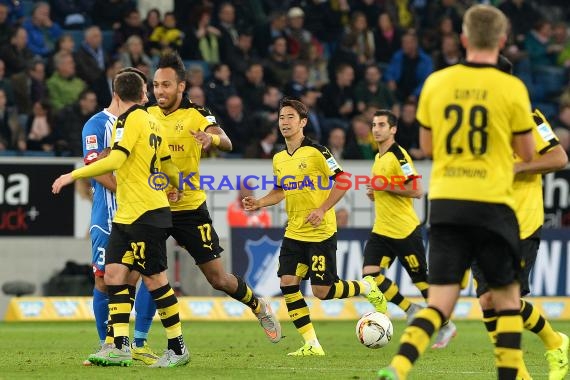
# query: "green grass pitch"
239, 350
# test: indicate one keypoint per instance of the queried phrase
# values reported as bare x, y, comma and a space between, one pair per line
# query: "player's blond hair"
484, 25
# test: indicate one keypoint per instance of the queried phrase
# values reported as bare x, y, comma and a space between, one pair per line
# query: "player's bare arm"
214, 136
272, 198
411, 189
316, 216
107, 180
523, 144
553, 160
426, 142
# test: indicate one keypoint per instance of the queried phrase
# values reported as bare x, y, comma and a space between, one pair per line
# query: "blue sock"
145, 308
101, 312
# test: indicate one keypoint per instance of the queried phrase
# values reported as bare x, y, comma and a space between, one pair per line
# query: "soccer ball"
374, 330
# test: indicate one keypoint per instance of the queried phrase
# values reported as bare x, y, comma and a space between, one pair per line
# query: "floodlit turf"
224, 350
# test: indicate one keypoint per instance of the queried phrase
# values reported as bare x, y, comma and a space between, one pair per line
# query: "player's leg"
378, 256
118, 261
448, 261
152, 265
326, 284
99, 241
145, 309
293, 266
498, 258
555, 343
193, 230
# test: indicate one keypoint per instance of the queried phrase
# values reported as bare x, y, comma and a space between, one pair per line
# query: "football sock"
299, 312
391, 291
344, 289
120, 311
508, 354
168, 310
101, 312
245, 295
490, 321
145, 309
415, 339
535, 322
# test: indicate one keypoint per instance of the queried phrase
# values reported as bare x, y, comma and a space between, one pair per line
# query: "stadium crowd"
343, 58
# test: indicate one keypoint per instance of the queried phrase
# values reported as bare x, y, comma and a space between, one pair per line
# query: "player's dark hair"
128, 87
505, 65
134, 70
392, 118
172, 60
296, 105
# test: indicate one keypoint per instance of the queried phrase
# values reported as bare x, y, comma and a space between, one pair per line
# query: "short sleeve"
205, 118
92, 142
544, 137
403, 165
521, 121
422, 113
126, 133
330, 165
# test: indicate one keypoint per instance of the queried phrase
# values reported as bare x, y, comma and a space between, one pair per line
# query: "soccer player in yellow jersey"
396, 231
549, 156
304, 174
473, 117
138, 235
189, 129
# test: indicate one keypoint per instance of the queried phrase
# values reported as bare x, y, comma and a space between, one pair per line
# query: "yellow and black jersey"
185, 150
473, 110
306, 177
528, 187
395, 214
138, 135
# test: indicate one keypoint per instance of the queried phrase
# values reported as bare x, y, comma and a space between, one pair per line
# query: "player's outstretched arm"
273, 197
216, 137
553, 160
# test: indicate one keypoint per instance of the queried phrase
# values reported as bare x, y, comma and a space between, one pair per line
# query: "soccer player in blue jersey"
96, 138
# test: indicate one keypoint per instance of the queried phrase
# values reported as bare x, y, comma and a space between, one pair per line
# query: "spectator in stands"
326, 20
133, 53
65, 43
15, 11
407, 134
299, 40
41, 136
29, 88
72, 14
151, 21
109, 14
70, 121
237, 123
387, 39
563, 119
220, 88
318, 71
238, 217
5, 25
251, 91
336, 142
195, 76
42, 31
12, 136
317, 127
370, 8
131, 25
361, 145
363, 37
104, 87
278, 65
197, 96
64, 86
560, 37
371, 89
229, 33
265, 34
441, 9
344, 55
408, 69
448, 54
242, 55
299, 81
6, 85
269, 108
522, 16
201, 40
337, 100
167, 37
342, 213
16, 54
539, 46
265, 146
90, 59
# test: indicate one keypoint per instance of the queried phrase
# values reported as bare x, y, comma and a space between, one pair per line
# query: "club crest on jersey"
91, 142
179, 126
302, 165
263, 255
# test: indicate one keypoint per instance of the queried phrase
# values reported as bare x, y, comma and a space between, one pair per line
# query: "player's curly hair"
172, 60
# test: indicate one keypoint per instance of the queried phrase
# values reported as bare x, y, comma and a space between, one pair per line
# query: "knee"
321, 292
486, 301
218, 280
